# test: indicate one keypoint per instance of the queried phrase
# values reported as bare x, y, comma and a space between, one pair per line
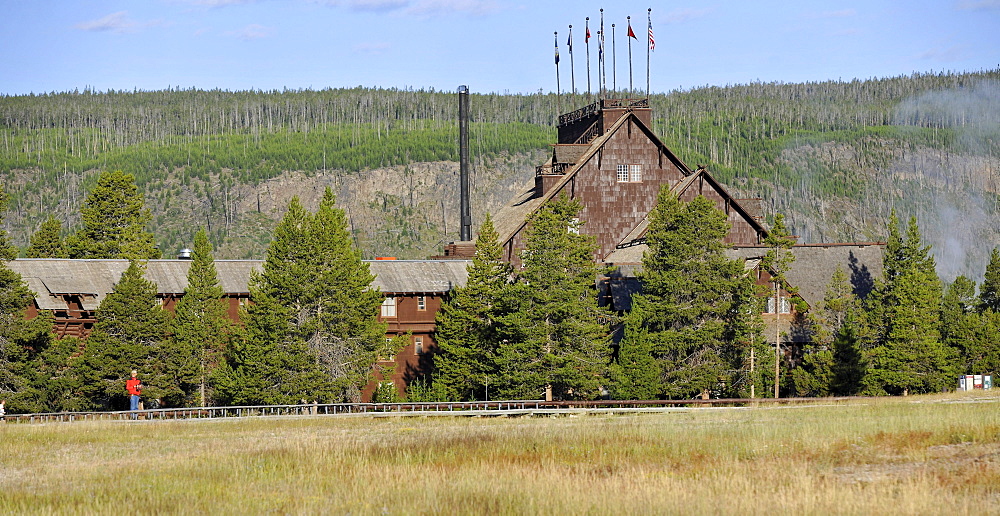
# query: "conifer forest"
290, 176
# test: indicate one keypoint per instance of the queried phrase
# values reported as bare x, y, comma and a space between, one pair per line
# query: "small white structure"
971, 382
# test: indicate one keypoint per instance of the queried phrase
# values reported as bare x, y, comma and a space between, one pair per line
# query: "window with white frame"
622, 173
389, 307
629, 173
784, 305
635, 173
421, 303
418, 345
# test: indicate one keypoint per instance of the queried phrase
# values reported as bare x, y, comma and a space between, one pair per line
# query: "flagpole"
649, 45
629, 38
614, 61
603, 65
586, 40
572, 74
558, 92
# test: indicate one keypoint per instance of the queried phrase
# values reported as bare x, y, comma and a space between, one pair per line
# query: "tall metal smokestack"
463, 156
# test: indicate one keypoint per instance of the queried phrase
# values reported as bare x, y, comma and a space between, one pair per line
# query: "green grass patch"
917, 455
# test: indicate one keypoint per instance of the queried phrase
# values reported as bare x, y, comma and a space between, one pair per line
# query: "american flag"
652, 42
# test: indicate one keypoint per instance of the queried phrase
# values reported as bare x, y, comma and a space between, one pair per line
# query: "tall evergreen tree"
848, 359
960, 321
271, 364
312, 330
340, 310
468, 330
562, 346
202, 329
908, 355
21, 341
989, 291
114, 222
47, 242
697, 316
130, 333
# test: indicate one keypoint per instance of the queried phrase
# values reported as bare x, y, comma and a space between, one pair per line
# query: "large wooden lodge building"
607, 157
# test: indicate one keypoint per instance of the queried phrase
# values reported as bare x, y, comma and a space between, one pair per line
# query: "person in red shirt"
134, 388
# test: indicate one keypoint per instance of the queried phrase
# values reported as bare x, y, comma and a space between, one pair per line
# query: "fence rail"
471, 408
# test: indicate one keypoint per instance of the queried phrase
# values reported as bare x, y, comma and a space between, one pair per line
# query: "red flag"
630, 33
587, 39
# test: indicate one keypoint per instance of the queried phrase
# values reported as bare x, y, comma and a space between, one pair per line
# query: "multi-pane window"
421, 303
418, 345
635, 173
622, 173
629, 173
389, 307
784, 305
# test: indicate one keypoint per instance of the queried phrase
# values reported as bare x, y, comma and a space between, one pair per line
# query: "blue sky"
491, 45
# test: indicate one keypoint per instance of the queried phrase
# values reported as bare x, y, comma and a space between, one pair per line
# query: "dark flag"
630, 33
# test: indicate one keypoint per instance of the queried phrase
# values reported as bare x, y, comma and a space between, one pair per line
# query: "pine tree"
201, 326
697, 315
312, 331
21, 341
848, 360
130, 333
561, 346
47, 243
989, 291
467, 329
340, 309
271, 364
114, 222
907, 355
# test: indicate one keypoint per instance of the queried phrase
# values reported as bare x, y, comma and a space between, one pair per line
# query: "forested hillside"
835, 157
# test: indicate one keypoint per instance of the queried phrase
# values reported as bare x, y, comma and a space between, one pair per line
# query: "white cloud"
252, 31
115, 22
684, 15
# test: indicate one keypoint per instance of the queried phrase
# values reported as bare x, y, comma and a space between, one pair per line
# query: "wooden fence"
472, 408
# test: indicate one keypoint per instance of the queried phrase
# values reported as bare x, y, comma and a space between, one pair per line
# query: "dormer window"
629, 173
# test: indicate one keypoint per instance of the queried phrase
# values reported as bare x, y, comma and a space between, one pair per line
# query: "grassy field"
916, 455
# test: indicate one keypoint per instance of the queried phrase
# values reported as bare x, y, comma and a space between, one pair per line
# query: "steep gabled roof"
515, 215
810, 272
638, 234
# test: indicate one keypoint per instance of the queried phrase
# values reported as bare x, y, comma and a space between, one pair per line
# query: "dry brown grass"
924, 455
